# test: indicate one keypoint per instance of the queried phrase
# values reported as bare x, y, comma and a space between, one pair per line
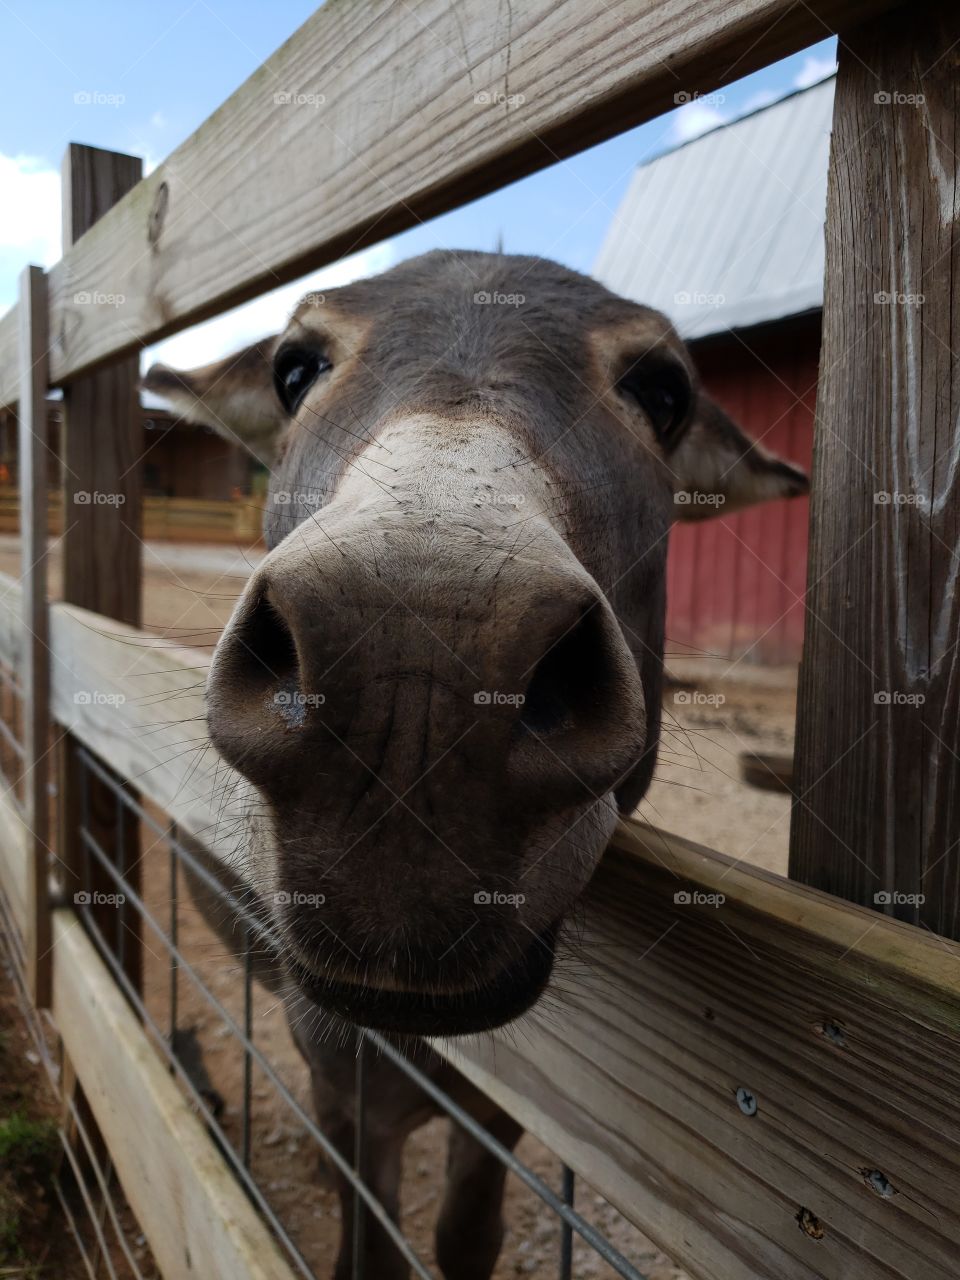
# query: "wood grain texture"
878, 742
378, 126
34, 468
138, 704
103, 446
192, 1210
840, 1025
103, 428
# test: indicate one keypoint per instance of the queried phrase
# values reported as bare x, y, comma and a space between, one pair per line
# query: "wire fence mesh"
132, 879
108, 1238
189, 978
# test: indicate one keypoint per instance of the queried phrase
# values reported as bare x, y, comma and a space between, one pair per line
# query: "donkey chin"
390, 926
381, 1001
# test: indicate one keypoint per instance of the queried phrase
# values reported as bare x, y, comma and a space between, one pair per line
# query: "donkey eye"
663, 392
295, 370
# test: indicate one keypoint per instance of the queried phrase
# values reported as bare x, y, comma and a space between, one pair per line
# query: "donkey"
442, 684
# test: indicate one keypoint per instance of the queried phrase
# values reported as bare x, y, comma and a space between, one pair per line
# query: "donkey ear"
717, 469
235, 396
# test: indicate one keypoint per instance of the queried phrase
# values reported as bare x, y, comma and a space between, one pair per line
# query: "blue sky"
154, 72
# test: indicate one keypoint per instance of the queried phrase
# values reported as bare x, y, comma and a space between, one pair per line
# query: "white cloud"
264, 315
29, 219
695, 118
814, 68
30, 208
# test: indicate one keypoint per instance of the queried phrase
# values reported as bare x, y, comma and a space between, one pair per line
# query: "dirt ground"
711, 716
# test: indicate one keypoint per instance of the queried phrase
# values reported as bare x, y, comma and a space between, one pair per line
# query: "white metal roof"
727, 230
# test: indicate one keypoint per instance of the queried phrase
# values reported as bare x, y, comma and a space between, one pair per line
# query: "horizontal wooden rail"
138, 704
374, 117
761, 1077
193, 1212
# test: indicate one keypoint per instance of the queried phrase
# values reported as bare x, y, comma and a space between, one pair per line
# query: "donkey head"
443, 681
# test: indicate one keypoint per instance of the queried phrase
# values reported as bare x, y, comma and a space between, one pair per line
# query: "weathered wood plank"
192, 1210
138, 704
102, 548
878, 744
841, 1027
103, 428
34, 467
378, 126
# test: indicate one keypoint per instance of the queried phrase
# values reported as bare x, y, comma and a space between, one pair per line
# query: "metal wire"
32, 1021
103, 1183
364, 1200
254, 928
88, 1205
566, 1230
359, 1155
174, 935
8, 736
74, 1230
200, 1102
593, 1237
343, 1165
247, 1040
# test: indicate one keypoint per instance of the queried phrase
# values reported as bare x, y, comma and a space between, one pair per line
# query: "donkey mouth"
496, 1002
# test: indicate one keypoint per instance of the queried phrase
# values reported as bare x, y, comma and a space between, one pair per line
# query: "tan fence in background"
165, 519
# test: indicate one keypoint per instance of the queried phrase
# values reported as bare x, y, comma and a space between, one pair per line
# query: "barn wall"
191, 462
736, 584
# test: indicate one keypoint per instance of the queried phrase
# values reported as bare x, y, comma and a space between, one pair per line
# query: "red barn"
725, 235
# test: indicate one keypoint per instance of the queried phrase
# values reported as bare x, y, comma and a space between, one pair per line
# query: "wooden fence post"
103, 520
877, 813
33, 448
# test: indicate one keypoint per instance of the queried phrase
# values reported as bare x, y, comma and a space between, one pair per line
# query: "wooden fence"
770, 1090
164, 519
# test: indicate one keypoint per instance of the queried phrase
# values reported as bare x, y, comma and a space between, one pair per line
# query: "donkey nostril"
583, 721
568, 680
265, 651
250, 691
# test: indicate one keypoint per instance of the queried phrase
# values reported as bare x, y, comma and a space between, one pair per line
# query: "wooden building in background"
725, 235
182, 460
197, 486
